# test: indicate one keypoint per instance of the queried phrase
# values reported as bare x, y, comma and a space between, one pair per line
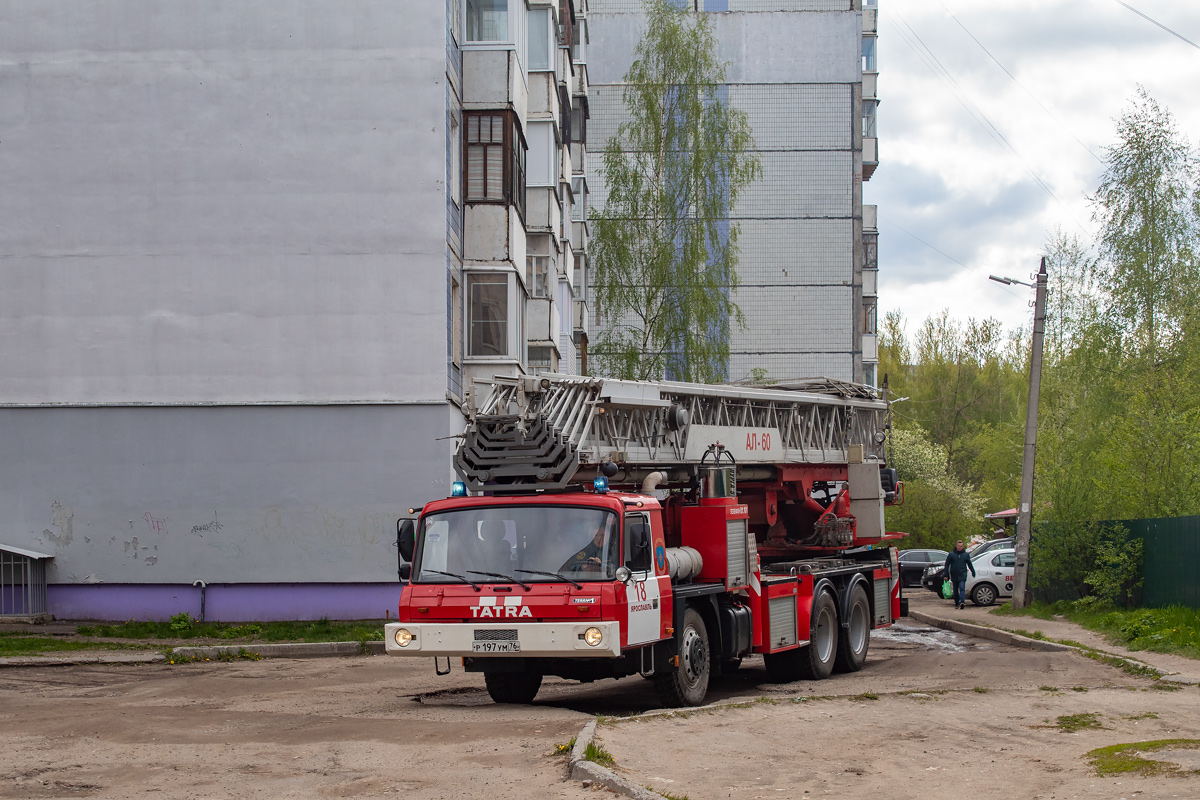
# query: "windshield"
527, 543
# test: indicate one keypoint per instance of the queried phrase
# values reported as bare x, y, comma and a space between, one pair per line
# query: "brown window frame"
508, 150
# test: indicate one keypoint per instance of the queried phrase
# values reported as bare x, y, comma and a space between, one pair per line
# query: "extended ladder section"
546, 431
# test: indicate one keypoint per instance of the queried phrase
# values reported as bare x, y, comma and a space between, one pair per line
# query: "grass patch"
669, 795
241, 655
1078, 722
1079, 688
182, 626
1175, 629
1123, 759
980, 689
597, 753
865, 696
565, 748
1048, 688
38, 645
1147, 715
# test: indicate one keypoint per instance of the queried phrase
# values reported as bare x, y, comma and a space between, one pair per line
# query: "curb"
287, 650
74, 661
581, 769
1017, 640
984, 632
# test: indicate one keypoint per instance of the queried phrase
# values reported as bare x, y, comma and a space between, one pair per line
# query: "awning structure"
1002, 515
22, 581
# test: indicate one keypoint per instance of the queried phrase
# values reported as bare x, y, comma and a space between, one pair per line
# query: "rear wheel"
816, 662
518, 688
856, 636
686, 684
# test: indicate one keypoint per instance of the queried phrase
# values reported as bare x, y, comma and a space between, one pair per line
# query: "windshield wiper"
452, 575
558, 575
508, 578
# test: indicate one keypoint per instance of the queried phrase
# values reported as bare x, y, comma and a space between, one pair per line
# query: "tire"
984, 594
517, 688
687, 683
856, 637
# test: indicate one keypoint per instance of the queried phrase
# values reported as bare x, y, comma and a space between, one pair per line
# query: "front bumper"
536, 639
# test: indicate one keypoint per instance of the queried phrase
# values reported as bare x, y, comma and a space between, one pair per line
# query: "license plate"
495, 647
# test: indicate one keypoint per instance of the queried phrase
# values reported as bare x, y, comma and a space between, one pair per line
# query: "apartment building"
805, 72
254, 254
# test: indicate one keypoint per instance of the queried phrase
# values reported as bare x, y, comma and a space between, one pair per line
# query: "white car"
993, 576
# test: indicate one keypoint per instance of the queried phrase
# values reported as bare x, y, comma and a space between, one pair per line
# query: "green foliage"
19, 645
1175, 629
182, 623
1077, 722
597, 753
1122, 759
322, 630
1087, 558
663, 250
938, 508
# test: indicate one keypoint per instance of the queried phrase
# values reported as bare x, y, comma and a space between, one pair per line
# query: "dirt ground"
379, 726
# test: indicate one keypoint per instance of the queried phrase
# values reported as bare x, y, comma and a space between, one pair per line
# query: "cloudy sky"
947, 182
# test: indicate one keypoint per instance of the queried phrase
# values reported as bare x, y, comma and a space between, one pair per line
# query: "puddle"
924, 637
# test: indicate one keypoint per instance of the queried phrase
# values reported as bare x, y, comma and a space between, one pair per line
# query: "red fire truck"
608, 528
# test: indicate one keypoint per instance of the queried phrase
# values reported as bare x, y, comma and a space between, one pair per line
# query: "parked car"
932, 578
913, 564
993, 576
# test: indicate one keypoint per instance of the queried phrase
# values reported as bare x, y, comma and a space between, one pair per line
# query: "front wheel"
856, 636
686, 683
983, 595
517, 688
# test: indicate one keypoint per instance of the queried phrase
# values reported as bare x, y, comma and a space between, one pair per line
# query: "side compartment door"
643, 620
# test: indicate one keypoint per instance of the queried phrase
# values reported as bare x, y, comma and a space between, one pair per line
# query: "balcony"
870, 156
870, 216
870, 20
870, 86
870, 347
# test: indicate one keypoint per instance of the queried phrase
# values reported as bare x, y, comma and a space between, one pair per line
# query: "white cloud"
945, 180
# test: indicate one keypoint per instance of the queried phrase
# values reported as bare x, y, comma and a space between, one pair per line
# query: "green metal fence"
1170, 560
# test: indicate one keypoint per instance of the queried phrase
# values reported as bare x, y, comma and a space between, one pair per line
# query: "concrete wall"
232, 201
228, 494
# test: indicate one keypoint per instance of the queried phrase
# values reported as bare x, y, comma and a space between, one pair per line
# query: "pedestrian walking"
955, 568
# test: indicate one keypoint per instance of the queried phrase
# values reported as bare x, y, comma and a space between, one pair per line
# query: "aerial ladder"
707, 523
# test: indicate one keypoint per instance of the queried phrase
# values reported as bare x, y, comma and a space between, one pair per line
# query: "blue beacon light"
458, 489
600, 484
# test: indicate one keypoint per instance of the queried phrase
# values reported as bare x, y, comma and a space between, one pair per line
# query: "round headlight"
403, 637
592, 636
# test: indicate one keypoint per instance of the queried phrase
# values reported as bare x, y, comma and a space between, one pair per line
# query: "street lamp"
1025, 512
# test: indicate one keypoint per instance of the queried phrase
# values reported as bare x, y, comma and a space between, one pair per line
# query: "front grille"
495, 634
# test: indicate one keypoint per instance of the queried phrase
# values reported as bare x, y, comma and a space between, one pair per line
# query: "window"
869, 128
537, 266
456, 179
487, 302
1005, 560
542, 152
868, 54
487, 20
579, 189
541, 48
495, 159
870, 317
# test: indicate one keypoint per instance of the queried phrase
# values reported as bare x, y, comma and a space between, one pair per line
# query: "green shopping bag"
947, 589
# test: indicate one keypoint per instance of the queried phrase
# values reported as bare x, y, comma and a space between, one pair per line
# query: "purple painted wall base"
225, 602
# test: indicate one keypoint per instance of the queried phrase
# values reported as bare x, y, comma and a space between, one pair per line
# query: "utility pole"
1025, 512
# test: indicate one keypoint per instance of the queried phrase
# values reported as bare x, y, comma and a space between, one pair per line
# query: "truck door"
642, 594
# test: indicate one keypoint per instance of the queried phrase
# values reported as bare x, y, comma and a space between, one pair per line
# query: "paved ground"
378, 727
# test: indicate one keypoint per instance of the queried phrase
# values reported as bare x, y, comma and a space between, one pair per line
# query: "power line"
1153, 21
1018, 83
936, 250
927, 56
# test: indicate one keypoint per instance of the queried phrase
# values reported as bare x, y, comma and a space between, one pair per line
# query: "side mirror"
406, 538
405, 571
639, 546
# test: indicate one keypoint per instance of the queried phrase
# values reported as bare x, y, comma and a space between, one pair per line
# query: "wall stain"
151, 560
155, 524
64, 520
